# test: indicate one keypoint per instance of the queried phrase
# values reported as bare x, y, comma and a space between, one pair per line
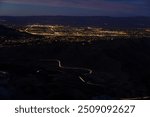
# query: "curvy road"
57, 63
85, 71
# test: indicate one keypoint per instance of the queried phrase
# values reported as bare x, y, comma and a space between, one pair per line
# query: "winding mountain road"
85, 70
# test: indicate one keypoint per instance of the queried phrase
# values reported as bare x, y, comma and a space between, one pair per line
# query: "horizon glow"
75, 7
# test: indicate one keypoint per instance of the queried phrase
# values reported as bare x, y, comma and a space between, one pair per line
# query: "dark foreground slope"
121, 68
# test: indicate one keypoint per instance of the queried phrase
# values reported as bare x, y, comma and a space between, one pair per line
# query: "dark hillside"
10, 33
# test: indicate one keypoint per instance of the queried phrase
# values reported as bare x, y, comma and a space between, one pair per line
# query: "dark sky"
75, 7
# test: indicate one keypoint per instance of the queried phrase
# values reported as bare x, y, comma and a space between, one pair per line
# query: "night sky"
75, 7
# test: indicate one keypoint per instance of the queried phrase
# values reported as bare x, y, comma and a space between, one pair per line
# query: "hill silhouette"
10, 33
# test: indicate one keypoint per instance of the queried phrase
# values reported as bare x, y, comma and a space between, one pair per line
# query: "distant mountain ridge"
96, 21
